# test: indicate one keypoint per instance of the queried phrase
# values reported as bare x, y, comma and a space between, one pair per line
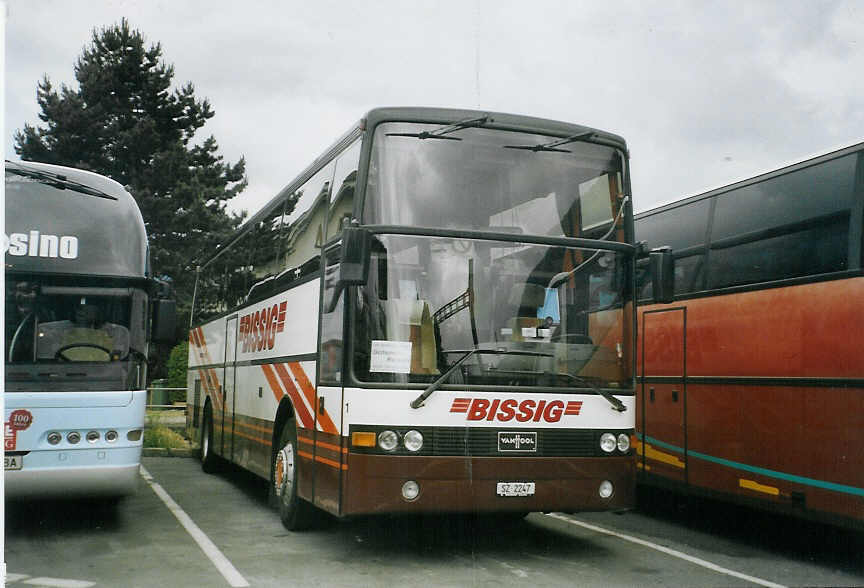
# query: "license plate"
515, 489
13, 462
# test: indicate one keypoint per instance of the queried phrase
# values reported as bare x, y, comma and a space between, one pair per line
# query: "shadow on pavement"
742, 525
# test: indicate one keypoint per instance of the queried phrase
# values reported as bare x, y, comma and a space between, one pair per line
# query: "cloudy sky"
705, 92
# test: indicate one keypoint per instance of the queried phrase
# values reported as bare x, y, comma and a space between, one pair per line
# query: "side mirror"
164, 320
356, 247
662, 274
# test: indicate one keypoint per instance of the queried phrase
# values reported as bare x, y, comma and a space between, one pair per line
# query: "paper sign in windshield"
392, 357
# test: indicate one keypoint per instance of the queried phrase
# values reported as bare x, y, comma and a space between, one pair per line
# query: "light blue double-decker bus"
81, 309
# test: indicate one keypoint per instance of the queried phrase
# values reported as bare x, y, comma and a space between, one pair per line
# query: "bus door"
664, 393
228, 396
329, 457
330, 452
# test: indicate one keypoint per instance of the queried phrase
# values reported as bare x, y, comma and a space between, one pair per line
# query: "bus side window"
344, 184
265, 248
303, 221
234, 274
210, 290
792, 225
684, 230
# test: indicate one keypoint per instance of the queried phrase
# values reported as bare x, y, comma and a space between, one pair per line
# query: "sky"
704, 92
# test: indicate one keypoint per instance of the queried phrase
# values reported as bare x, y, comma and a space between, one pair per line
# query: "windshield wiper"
552, 145
616, 404
430, 389
60, 182
442, 132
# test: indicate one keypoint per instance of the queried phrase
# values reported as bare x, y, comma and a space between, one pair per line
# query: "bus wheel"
209, 460
296, 513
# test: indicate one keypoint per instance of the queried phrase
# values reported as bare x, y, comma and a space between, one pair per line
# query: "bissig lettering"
257, 330
496, 409
36, 244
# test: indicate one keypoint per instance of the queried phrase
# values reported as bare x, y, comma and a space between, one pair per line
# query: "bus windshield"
56, 325
493, 180
530, 315
431, 300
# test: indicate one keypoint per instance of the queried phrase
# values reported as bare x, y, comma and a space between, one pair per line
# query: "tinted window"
208, 295
303, 222
683, 229
224, 282
281, 247
344, 183
793, 225
265, 248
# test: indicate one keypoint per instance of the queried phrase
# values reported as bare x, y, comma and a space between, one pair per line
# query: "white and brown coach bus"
436, 316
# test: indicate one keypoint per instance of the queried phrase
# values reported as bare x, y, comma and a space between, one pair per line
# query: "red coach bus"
752, 382
436, 316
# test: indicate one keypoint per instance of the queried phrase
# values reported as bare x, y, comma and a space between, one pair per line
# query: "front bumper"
72, 473
468, 484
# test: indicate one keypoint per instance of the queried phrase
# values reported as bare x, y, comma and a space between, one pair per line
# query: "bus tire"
209, 460
296, 514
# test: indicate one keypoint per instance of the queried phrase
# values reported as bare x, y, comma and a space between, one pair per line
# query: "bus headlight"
606, 489
54, 437
608, 442
92, 436
410, 490
73, 437
413, 440
388, 440
111, 436
623, 442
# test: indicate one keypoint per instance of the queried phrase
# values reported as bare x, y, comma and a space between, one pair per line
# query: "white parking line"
58, 583
45, 582
228, 571
695, 560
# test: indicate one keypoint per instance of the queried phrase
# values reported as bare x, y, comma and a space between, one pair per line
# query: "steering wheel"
65, 348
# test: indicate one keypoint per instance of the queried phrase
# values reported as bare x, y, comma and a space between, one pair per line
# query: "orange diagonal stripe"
306, 420
323, 417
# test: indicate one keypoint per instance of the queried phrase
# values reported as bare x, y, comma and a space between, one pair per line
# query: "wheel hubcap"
284, 476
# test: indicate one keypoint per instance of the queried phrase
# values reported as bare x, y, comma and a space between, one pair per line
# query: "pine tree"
125, 121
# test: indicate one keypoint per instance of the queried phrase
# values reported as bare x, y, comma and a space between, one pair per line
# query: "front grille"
483, 442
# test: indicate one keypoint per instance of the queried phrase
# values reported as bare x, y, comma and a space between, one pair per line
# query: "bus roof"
81, 223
